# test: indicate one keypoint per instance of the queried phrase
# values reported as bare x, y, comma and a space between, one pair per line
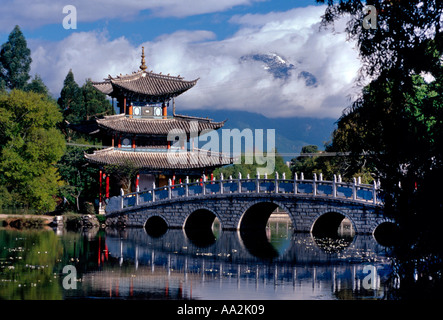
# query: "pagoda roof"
145, 86
157, 160
152, 126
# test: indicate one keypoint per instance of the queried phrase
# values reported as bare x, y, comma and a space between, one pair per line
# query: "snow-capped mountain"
280, 67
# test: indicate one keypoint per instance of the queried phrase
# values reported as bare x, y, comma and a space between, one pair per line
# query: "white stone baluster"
295, 183
137, 195
374, 192
314, 185
257, 182
239, 183
334, 187
122, 193
169, 189
221, 183
354, 189
153, 192
276, 182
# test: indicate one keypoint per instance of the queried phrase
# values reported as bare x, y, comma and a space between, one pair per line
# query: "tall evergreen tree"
96, 103
37, 85
71, 100
15, 61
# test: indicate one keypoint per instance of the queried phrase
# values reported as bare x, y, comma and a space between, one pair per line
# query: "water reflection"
132, 264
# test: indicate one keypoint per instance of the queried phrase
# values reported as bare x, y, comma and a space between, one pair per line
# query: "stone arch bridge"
246, 204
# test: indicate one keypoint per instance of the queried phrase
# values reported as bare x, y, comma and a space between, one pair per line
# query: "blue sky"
206, 39
147, 25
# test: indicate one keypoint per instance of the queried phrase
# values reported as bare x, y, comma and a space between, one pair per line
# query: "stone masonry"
230, 209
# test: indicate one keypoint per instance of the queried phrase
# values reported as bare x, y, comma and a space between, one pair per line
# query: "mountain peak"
280, 67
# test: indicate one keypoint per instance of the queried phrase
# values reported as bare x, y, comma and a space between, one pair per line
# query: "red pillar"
137, 181
165, 111
100, 190
107, 186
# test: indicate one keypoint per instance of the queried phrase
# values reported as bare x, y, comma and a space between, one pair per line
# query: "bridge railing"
316, 187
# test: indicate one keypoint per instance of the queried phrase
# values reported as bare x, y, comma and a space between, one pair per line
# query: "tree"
37, 85
71, 100
306, 164
95, 101
395, 127
80, 178
123, 175
15, 61
30, 146
251, 169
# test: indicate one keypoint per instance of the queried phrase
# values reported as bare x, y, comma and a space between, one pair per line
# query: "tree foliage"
79, 104
30, 146
71, 100
395, 128
251, 169
37, 85
81, 179
96, 103
15, 61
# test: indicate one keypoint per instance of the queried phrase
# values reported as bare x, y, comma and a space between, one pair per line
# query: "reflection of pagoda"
137, 137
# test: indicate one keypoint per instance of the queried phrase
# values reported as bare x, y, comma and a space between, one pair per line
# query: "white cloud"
34, 14
226, 81
88, 54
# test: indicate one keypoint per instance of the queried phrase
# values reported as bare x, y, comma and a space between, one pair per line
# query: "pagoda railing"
149, 117
317, 187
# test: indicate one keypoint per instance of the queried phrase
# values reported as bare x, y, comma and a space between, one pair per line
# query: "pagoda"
138, 136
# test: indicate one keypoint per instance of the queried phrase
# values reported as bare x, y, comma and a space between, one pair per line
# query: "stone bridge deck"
247, 203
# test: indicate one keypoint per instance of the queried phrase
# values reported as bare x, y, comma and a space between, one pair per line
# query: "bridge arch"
156, 225
386, 233
255, 215
328, 222
198, 226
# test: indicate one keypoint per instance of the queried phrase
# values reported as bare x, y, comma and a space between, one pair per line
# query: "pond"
276, 264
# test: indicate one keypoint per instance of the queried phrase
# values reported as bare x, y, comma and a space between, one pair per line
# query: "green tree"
80, 178
95, 101
37, 85
15, 61
123, 175
251, 169
71, 100
394, 129
30, 146
307, 164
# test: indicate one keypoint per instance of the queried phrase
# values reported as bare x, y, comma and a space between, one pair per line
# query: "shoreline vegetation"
33, 221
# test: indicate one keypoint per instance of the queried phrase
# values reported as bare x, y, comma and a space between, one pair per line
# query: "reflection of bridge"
176, 262
243, 248
248, 203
